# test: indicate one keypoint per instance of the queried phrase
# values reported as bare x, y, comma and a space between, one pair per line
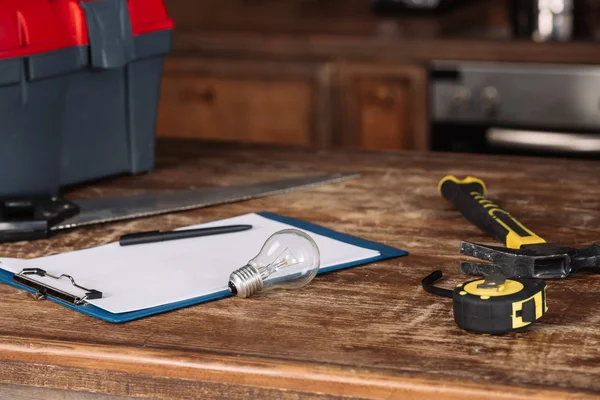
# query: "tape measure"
493, 305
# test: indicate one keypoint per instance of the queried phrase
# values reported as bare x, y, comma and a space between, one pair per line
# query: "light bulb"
289, 259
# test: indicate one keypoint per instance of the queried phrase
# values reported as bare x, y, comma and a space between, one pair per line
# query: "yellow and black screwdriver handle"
468, 196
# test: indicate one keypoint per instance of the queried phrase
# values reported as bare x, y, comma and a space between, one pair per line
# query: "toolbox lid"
149, 16
30, 27
146, 16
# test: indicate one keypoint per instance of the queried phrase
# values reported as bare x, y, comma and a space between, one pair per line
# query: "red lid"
146, 16
73, 18
31, 27
149, 16
38, 26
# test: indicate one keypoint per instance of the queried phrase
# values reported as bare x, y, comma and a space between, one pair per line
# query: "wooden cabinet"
316, 104
249, 101
326, 72
291, 72
383, 107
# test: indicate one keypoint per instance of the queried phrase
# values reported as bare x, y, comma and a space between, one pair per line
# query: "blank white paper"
137, 277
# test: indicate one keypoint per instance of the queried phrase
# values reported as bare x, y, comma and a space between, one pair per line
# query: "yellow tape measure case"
493, 305
514, 304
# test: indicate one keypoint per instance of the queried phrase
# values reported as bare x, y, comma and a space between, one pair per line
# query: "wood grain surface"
366, 332
15, 392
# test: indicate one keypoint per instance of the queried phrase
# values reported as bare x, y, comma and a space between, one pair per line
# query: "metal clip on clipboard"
44, 290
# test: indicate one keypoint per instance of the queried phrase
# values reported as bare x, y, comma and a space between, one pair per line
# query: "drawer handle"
207, 95
383, 93
382, 96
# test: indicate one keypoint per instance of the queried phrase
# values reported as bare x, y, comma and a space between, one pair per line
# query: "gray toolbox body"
82, 112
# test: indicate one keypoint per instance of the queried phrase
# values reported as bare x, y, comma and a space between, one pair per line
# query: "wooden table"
366, 332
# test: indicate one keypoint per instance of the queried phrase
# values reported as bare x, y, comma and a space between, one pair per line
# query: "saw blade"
111, 209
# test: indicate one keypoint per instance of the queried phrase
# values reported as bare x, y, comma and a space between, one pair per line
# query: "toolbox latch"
110, 33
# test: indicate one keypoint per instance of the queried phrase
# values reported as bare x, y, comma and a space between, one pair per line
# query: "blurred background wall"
485, 76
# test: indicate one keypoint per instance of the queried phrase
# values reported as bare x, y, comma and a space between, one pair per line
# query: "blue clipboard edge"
385, 251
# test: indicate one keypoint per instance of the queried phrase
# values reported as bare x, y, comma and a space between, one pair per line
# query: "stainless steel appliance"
527, 109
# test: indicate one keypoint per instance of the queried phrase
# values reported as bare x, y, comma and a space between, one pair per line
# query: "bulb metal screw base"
245, 281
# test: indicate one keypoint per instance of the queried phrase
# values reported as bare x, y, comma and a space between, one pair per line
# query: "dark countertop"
479, 30
365, 332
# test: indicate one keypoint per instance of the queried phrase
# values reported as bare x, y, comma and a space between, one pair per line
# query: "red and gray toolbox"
79, 88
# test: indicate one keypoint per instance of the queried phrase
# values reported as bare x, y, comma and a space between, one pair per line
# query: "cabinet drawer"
242, 101
383, 107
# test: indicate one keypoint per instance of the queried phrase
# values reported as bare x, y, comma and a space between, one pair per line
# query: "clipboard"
78, 303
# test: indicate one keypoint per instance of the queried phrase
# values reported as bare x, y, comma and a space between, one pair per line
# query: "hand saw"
40, 217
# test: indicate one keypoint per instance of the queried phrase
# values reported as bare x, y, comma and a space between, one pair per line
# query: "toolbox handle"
110, 33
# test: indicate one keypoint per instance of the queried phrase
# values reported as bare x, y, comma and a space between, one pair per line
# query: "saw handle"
468, 196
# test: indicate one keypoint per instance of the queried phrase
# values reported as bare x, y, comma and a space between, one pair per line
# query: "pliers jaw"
544, 261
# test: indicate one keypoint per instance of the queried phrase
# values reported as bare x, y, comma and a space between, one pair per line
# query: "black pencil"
159, 236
